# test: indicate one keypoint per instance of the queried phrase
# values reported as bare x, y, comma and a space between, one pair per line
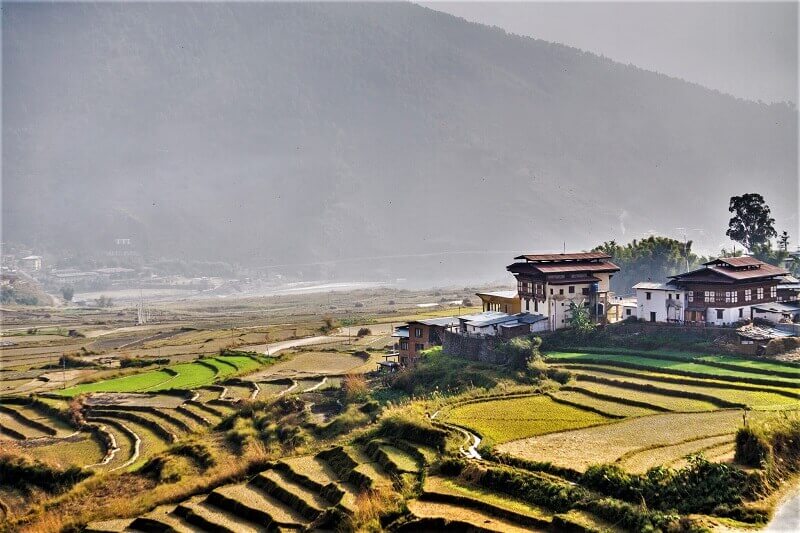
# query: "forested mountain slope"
292, 133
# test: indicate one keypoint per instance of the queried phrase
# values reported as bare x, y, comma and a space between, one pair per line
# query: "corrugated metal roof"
579, 256
499, 294
651, 285
443, 322
778, 307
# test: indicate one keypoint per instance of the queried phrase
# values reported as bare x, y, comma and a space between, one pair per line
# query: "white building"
548, 284
659, 302
32, 263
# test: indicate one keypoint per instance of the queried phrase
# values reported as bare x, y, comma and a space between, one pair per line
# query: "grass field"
518, 418
450, 486
664, 365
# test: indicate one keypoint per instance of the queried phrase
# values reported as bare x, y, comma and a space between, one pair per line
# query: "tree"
580, 321
67, 293
751, 224
783, 241
653, 258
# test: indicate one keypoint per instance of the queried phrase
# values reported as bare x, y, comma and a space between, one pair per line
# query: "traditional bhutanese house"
724, 290
549, 283
419, 335
503, 301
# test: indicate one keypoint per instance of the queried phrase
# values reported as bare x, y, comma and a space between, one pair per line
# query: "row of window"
417, 346
527, 287
732, 297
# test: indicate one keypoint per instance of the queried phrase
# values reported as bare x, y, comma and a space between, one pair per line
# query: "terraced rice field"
660, 401
664, 365
440, 485
242, 363
752, 398
134, 383
606, 444
606, 406
517, 418
641, 460
81, 450
59, 427
464, 517
288, 495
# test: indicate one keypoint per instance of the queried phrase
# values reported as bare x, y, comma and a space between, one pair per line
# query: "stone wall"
473, 348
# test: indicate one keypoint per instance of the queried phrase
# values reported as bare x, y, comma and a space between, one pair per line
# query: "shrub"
328, 325
363, 332
355, 388
466, 302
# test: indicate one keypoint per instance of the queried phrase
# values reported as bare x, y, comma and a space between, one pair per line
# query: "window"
760, 293
527, 305
741, 312
748, 295
560, 291
647, 295
627, 312
572, 289
709, 296
404, 344
690, 296
551, 291
418, 333
585, 291
419, 347
773, 292
731, 297
652, 316
669, 296
719, 314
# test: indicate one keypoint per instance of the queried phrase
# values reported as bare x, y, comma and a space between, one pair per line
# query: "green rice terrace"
314, 439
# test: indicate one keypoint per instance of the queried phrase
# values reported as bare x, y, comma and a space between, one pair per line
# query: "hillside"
276, 134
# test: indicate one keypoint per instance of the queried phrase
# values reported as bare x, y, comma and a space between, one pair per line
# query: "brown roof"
764, 270
743, 272
742, 261
580, 256
563, 268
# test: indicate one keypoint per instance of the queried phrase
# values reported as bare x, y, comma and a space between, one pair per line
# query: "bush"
518, 352
363, 332
466, 302
136, 362
355, 388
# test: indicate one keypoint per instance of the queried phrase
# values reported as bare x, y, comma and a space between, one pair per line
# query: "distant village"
759, 300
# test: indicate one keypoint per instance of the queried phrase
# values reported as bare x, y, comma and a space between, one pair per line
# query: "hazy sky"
747, 49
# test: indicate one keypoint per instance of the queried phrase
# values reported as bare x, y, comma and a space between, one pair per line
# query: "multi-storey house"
548, 283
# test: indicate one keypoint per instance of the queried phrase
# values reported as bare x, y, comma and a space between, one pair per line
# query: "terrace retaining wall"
473, 348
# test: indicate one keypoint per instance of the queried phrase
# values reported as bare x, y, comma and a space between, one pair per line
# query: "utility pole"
63, 371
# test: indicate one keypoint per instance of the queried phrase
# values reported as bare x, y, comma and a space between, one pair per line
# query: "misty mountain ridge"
281, 134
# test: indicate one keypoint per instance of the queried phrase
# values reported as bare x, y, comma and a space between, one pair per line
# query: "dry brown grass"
355, 388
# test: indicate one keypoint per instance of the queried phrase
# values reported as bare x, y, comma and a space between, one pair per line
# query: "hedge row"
559, 497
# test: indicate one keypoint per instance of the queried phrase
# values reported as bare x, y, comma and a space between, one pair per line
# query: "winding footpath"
787, 516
